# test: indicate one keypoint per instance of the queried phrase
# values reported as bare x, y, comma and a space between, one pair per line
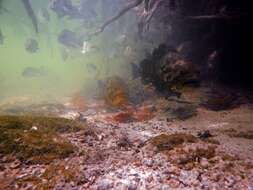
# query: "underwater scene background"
54, 62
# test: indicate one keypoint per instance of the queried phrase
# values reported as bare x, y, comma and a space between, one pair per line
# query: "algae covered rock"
167, 70
35, 139
220, 99
179, 109
184, 112
169, 141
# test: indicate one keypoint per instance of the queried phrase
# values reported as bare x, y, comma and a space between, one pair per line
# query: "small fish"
34, 72
91, 68
87, 47
64, 8
69, 38
31, 45
43, 15
135, 70
1, 38
65, 54
121, 39
128, 52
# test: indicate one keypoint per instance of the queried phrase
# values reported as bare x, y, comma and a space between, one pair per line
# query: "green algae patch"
167, 142
243, 134
43, 123
53, 174
36, 140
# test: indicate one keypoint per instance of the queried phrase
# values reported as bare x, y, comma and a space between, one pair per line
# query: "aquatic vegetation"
34, 139
169, 141
54, 173
184, 112
193, 157
47, 124
168, 71
218, 100
242, 134
197, 154
247, 134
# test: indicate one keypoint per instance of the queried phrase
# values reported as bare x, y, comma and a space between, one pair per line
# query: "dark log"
31, 14
214, 17
117, 16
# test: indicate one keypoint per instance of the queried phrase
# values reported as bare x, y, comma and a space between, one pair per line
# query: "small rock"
204, 134
204, 163
15, 164
124, 142
82, 118
104, 184
148, 162
101, 136
34, 128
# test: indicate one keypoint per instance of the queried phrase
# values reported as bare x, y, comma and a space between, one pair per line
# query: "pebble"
204, 163
104, 184
15, 164
148, 162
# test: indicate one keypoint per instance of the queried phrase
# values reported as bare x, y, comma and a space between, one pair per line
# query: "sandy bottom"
119, 155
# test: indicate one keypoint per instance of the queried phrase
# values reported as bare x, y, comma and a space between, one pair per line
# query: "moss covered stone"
243, 134
35, 139
168, 142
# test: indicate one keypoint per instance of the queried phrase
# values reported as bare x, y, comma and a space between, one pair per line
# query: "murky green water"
67, 70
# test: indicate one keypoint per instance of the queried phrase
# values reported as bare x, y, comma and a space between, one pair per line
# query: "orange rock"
116, 92
123, 117
143, 114
78, 102
131, 114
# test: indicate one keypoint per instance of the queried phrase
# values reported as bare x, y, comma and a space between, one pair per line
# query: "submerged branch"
153, 10
31, 14
214, 17
117, 16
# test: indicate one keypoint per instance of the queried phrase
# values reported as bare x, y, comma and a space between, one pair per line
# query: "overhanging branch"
117, 16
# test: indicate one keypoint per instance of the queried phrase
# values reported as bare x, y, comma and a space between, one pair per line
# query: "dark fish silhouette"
65, 54
31, 45
87, 9
69, 39
135, 70
1, 37
34, 72
45, 14
91, 68
64, 8
31, 14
